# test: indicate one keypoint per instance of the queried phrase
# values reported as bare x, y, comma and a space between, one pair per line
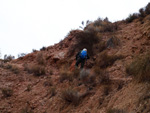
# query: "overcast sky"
32, 24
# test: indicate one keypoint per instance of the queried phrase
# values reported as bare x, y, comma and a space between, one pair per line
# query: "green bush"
140, 68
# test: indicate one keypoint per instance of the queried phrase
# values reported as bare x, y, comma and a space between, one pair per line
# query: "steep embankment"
24, 92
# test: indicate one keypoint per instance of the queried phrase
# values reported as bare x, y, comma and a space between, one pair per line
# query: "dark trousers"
82, 61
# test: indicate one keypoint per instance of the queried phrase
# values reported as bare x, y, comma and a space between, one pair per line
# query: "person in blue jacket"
81, 57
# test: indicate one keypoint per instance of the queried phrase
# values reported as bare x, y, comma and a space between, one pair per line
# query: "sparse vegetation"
51, 72
106, 89
34, 50
65, 75
140, 68
21, 55
112, 110
48, 82
143, 12
12, 68
103, 76
7, 92
43, 48
100, 46
52, 91
71, 96
84, 40
84, 75
27, 109
40, 59
29, 88
104, 25
132, 17
76, 73
113, 42
37, 70
8, 58
104, 60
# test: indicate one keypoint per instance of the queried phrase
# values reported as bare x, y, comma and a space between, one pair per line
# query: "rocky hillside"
115, 78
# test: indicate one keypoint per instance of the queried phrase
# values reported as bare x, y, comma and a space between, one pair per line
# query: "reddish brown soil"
32, 93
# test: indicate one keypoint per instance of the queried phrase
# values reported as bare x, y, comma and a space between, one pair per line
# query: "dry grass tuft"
112, 110
104, 60
37, 70
12, 68
140, 68
65, 75
71, 96
7, 92
40, 59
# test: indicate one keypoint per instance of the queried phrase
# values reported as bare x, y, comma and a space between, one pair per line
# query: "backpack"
83, 54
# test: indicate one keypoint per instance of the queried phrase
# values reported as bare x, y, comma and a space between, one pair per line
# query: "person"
81, 57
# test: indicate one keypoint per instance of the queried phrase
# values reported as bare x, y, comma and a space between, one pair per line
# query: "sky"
32, 24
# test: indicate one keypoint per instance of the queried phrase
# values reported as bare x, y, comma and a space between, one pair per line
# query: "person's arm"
88, 56
77, 55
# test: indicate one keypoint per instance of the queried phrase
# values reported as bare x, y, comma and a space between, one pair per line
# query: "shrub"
105, 25
12, 68
51, 72
142, 12
29, 88
84, 39
35, 69
27, 109
100, 46
71, 96
52, 91
104, 60
65, 75
21, 55
7, 92
112, 110
48, 82
113, 42
106, 90
132, 17
103, 76
147, 9
38, 70
34, 50
40, 59
84, 75
98, 22
75, 73
8, 66
43, 49
8, 58
140, 68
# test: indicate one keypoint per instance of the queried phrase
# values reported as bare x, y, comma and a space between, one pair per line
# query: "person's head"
84, 49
